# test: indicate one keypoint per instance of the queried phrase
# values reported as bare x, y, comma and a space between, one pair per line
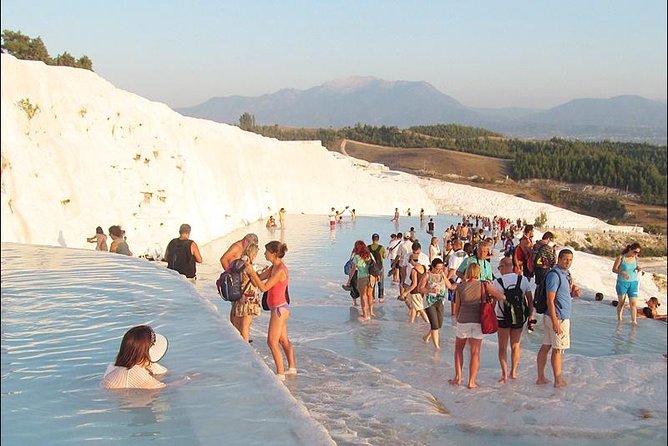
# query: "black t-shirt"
179, 257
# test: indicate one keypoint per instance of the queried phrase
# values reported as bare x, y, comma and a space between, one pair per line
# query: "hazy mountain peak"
351, 82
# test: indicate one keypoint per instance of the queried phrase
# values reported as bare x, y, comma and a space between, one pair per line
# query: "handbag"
488, 322
265, 305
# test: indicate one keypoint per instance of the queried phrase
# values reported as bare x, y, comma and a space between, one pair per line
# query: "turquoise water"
358, 383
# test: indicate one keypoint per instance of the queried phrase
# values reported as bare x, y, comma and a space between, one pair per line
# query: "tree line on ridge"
635, 167
24, 47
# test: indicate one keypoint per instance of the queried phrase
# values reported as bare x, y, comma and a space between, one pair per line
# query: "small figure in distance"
271, 223
332, 218
136, 364
396, 215
182, 253
353, 215
100, 238
118, 244
651, 311
421, 214
598, 297
281, 217
408, 212
430, 226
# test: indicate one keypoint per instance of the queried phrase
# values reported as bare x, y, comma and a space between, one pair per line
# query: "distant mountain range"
373, 101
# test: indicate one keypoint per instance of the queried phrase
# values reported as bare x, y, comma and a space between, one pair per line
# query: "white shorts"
416, 301
468, 330
557, 342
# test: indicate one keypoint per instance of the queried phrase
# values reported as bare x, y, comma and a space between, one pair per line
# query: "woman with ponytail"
274, 280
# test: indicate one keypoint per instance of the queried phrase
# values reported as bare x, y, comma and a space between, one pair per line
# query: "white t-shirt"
509, 280
456, 259
393, 248
404, 250
137, 377
434, 251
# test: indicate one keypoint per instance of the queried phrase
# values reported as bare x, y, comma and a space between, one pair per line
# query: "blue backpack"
229, 282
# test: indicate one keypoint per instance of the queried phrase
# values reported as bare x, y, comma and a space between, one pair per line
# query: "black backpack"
540, 296
229, 282
515, 308
376, 262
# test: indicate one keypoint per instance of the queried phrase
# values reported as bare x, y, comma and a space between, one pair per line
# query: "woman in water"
434, 286
100, 239
118, 244
434, 250
244, 309
365, 281
274, 281
136, 365
468, 330
626, 267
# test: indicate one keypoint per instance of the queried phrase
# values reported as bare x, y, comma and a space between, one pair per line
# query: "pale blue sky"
536, 53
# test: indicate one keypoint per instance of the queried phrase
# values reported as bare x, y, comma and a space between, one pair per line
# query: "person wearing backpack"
182, 253
511, 315
244, 309
234, 252
556, 320
544, 257
378, 254
365, 281
523, 251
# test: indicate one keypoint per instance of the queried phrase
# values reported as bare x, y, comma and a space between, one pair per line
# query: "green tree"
23, 47
85, 63
65, 60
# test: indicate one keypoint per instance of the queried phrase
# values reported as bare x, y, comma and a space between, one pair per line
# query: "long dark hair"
632, 247
135, 346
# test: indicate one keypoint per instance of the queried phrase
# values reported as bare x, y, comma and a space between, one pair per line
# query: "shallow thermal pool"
64, 312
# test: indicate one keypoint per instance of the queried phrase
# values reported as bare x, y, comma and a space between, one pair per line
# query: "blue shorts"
627, 288
451, 295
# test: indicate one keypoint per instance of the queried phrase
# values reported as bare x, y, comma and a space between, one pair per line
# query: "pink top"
276, 294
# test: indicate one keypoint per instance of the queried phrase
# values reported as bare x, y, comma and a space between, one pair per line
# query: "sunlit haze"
484, 54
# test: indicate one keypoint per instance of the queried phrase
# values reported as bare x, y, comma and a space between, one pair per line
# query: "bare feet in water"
472, 385
542, 381
503, 380
560, 383
455, 381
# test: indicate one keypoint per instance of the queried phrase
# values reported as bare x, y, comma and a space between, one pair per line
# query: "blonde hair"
472, 271
251, 251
